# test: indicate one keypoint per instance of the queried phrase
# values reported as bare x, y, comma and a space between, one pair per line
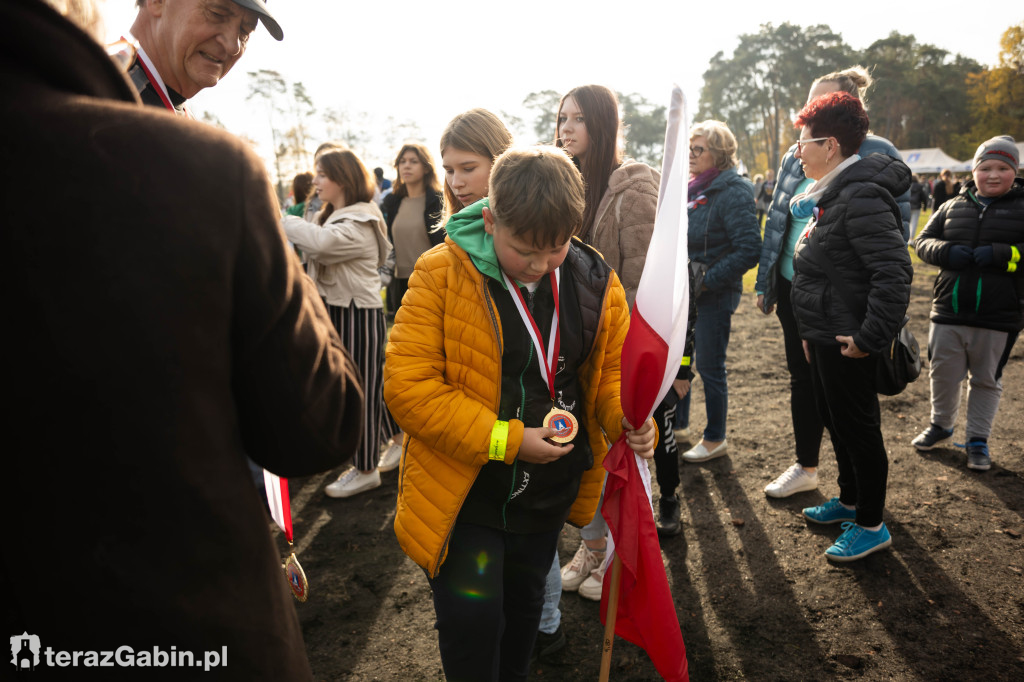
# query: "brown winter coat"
158, 331
624, 222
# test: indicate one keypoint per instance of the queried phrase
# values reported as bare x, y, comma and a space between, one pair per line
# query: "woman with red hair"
851, 287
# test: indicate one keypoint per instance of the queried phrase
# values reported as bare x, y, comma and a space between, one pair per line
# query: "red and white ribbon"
548, 362
280, 504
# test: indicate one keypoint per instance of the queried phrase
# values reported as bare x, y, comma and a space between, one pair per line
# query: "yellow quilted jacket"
441, 382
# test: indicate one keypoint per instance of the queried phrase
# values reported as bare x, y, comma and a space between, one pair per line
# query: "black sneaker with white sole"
932, 437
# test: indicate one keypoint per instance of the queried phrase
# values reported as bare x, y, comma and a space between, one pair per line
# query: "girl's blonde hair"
477, 131
721, 142
855, 80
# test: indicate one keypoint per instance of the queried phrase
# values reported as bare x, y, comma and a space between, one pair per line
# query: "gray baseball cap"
260, 8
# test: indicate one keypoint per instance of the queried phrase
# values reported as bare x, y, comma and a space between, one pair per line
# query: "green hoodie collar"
466, 229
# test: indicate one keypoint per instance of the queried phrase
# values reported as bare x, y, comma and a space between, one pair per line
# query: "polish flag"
651, 356
278, 501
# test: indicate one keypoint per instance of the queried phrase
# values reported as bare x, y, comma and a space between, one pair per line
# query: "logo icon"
25, 651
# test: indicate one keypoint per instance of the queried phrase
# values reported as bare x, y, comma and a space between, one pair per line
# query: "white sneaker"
793, 480
353, 482
699, 453
578, 570
591, 587
391, 458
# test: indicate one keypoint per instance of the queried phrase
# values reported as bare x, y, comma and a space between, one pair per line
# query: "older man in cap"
187, 45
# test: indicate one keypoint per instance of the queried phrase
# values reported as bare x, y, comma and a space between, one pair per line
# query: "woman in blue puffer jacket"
725, 237
774, 283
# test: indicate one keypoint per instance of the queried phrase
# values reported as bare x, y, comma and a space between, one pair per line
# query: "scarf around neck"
701, 182
803, 204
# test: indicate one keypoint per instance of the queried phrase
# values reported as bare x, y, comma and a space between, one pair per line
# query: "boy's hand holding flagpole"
636, 603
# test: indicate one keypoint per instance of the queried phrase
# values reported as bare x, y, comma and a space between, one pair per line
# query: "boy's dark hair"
537, 193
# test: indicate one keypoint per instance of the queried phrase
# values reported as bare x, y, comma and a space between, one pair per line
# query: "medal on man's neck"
562, 421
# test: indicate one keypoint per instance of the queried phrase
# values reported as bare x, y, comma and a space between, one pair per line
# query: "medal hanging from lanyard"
280, 510
562, 421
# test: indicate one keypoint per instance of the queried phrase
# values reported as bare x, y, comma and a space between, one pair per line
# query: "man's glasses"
800, 143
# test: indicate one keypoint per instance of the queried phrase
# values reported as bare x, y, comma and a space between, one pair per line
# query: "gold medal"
296, 578
565, 425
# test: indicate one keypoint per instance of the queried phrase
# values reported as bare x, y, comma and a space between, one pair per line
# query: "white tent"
931, 160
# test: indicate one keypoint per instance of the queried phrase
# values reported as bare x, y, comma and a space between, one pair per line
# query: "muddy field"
755, 596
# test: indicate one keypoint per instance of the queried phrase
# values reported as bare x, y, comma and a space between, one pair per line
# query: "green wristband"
499, 439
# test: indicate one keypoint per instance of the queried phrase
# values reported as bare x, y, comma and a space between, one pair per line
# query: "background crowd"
252, 350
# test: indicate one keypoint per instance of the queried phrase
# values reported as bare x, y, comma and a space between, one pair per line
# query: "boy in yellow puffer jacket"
481, 374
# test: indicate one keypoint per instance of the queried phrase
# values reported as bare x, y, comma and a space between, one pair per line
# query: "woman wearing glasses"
725, 238
774, 283
851, 287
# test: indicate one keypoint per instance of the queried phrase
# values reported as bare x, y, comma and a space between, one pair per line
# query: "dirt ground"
755, 596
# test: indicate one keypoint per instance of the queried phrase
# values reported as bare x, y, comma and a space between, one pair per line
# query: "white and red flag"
651, 355
279, 502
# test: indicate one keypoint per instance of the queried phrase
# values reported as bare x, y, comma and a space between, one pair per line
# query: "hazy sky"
429, 60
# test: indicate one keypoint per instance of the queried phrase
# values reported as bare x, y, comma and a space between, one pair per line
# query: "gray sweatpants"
955, 352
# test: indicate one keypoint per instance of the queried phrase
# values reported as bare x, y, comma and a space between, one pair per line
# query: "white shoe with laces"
391, 458
592, 587
353, 482
578, 570
793, 480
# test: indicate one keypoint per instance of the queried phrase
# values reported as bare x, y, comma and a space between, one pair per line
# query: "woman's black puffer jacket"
859, 230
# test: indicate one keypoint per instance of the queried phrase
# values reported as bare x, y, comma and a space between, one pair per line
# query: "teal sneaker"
830, 512
857, 542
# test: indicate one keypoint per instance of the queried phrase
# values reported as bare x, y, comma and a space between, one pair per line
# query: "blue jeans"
551, 615
714, 324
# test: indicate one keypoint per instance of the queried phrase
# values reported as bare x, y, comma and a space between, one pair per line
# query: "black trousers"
666, 452
848, 405
807, 425
488, 597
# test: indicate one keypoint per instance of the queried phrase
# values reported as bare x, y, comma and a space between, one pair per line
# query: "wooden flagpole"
609, 620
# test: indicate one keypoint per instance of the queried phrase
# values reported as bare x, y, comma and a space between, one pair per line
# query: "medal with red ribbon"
562, 421
281, 511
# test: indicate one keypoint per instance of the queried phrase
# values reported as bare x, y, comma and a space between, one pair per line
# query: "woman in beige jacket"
344, 248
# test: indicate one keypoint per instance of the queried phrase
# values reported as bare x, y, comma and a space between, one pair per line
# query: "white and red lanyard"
154, 77
548, 362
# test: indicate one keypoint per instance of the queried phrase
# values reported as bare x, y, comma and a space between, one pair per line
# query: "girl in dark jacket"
415, 205
977, 239
412, 212
854, 241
